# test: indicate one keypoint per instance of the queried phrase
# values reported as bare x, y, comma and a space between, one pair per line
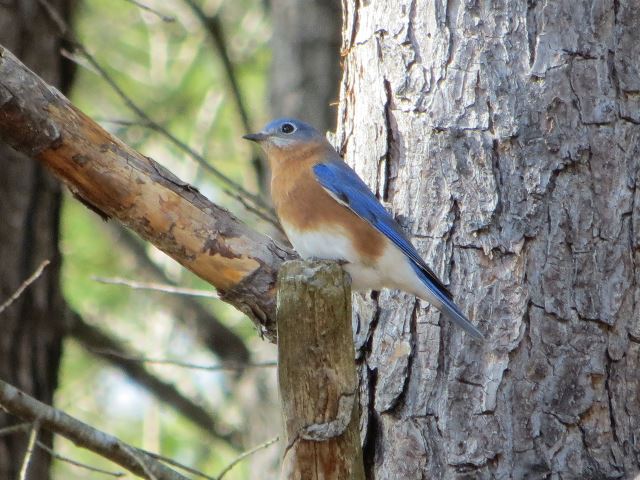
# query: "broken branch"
118, 182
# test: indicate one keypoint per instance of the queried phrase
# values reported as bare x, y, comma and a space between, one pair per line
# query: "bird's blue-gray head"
285, 133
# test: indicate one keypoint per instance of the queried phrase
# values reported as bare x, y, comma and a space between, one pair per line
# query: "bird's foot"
340, 262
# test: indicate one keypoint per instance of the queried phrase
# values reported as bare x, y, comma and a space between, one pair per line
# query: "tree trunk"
31, 329
504, 136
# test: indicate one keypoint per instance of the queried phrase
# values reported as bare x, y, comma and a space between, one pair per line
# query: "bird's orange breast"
303, 204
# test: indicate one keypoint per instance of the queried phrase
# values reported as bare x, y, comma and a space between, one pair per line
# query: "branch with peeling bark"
118, 182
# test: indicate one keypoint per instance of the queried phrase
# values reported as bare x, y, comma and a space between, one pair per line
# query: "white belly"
391, 270
327, 244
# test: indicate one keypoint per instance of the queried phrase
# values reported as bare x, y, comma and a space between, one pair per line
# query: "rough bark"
305, 69
316, 373
118, 182
31, 329
504, 136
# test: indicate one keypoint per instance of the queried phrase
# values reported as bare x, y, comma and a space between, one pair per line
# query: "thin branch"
218, 338
33, 434
141, 462
215, 31
157, 287
21, 427
178, 363
181, 466
245, 455
75, 463
34, 276
224, 471
161, 16
21, 405
95, 341
251, 209
152, 124
122, 122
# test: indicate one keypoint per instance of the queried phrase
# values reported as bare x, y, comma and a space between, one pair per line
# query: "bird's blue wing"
348, 188
343, 184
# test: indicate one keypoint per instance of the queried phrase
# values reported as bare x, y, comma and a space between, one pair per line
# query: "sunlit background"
165, 60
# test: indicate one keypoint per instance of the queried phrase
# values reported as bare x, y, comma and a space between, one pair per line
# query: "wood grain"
317, 374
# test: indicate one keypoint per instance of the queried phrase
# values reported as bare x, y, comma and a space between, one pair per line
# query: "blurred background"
182, 375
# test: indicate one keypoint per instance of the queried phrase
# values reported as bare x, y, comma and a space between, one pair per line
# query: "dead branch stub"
317, 374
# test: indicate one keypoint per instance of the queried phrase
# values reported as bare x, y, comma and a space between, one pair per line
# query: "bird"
329, 213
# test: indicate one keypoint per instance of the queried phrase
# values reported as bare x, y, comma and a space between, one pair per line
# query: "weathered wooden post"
317, 374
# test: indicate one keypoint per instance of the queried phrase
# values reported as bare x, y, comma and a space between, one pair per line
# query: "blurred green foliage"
170, 70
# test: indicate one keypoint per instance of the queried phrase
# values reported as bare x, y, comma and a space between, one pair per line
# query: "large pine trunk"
504, 137
31, 329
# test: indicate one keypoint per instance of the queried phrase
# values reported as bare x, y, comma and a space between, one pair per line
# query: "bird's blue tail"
447, 306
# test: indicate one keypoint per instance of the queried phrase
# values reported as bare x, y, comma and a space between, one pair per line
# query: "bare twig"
21, 427
33, 434
152, 124
158, 287
251, 209
216, 34
141, 462
28, 408
95, 341
161, 16
34, 276
222, 341
224, 471
122, 122
178, 363
245, 455
181, 466
75, 463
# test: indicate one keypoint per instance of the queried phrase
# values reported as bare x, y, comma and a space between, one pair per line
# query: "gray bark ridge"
504, 137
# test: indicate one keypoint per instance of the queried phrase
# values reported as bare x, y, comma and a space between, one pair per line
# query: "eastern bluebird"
328, 212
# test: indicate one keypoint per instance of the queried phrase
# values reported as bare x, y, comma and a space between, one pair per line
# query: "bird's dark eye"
287, 128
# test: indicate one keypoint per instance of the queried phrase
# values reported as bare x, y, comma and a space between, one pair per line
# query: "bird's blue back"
346, 186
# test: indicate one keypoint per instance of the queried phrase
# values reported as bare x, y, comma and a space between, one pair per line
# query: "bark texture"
316, 373
505, 138
31, 329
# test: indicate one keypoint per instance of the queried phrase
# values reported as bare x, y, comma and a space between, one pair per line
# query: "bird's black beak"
255, 137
